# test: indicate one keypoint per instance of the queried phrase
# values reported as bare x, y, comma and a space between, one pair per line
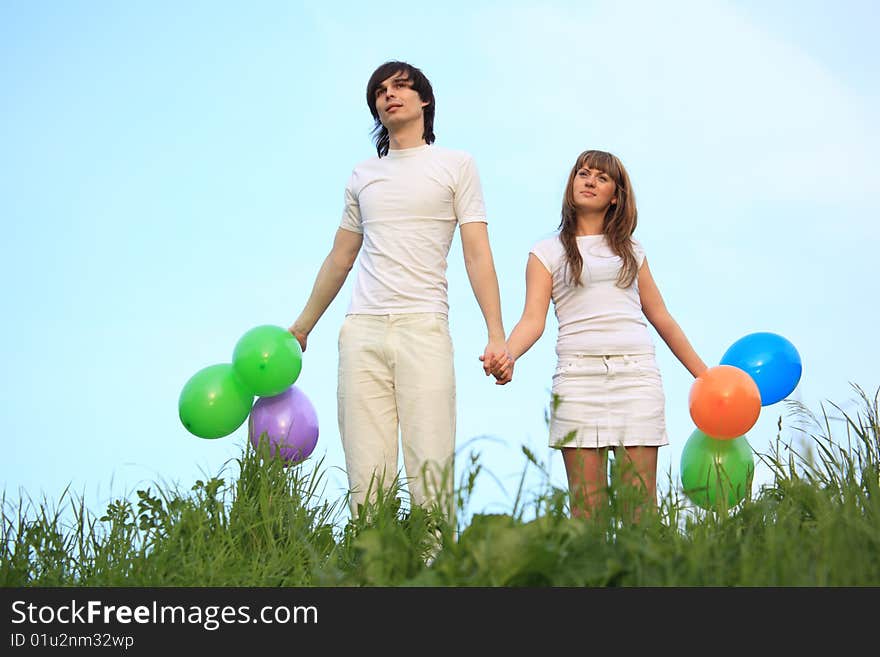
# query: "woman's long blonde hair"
620, 219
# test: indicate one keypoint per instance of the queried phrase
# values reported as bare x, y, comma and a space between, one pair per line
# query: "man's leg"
367, 408
425, 389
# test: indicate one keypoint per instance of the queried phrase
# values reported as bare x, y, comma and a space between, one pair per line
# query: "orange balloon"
724, 402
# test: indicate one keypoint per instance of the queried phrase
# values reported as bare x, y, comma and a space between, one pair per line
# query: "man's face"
397, 102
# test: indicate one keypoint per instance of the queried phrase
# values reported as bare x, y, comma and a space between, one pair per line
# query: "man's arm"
484, 282
328, 282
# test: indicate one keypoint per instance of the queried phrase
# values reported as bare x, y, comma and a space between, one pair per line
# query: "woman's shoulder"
638, 250
548, 242
548, 249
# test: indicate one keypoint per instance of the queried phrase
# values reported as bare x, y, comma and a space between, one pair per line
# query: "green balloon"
268, 359
214, 402
714, 469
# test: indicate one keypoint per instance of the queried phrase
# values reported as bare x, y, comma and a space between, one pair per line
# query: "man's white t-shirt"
598, 318
407, 204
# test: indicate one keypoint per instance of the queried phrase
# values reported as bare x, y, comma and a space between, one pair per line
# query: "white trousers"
396, 373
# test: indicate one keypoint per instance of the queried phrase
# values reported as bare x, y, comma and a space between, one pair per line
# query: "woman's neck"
590, 224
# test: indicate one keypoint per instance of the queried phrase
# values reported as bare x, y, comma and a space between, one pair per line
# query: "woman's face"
593, 190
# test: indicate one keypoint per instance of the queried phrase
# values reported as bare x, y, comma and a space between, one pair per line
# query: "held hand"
494, 353
498, 362
300, 335
504, 372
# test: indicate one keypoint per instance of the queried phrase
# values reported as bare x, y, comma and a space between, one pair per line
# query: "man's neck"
408, 136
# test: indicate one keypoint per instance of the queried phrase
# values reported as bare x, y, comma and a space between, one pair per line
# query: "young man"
395, 351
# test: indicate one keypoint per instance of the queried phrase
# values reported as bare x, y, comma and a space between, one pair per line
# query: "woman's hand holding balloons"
771, 360
716, 473
725, 401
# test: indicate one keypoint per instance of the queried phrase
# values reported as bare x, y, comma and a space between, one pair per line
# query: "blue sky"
171, 175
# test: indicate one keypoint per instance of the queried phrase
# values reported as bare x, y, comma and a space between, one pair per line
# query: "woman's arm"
668, 329
539, 285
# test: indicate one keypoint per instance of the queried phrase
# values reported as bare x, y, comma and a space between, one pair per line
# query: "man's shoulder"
366, 163
456, 155
433, 150
448, 158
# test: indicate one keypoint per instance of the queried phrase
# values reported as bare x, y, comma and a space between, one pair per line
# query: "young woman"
607, 390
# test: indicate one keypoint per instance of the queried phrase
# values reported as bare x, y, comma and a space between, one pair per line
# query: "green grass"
816, 524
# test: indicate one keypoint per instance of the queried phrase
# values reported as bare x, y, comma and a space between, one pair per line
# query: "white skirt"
608, 401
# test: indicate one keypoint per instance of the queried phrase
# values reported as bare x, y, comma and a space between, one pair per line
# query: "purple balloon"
290, 422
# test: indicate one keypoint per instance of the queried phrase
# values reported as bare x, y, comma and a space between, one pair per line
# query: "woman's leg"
637, 467
587, 479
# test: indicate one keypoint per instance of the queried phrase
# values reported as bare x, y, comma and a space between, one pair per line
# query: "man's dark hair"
419, 82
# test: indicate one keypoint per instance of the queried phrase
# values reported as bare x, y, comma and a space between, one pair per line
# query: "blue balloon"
771, 360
